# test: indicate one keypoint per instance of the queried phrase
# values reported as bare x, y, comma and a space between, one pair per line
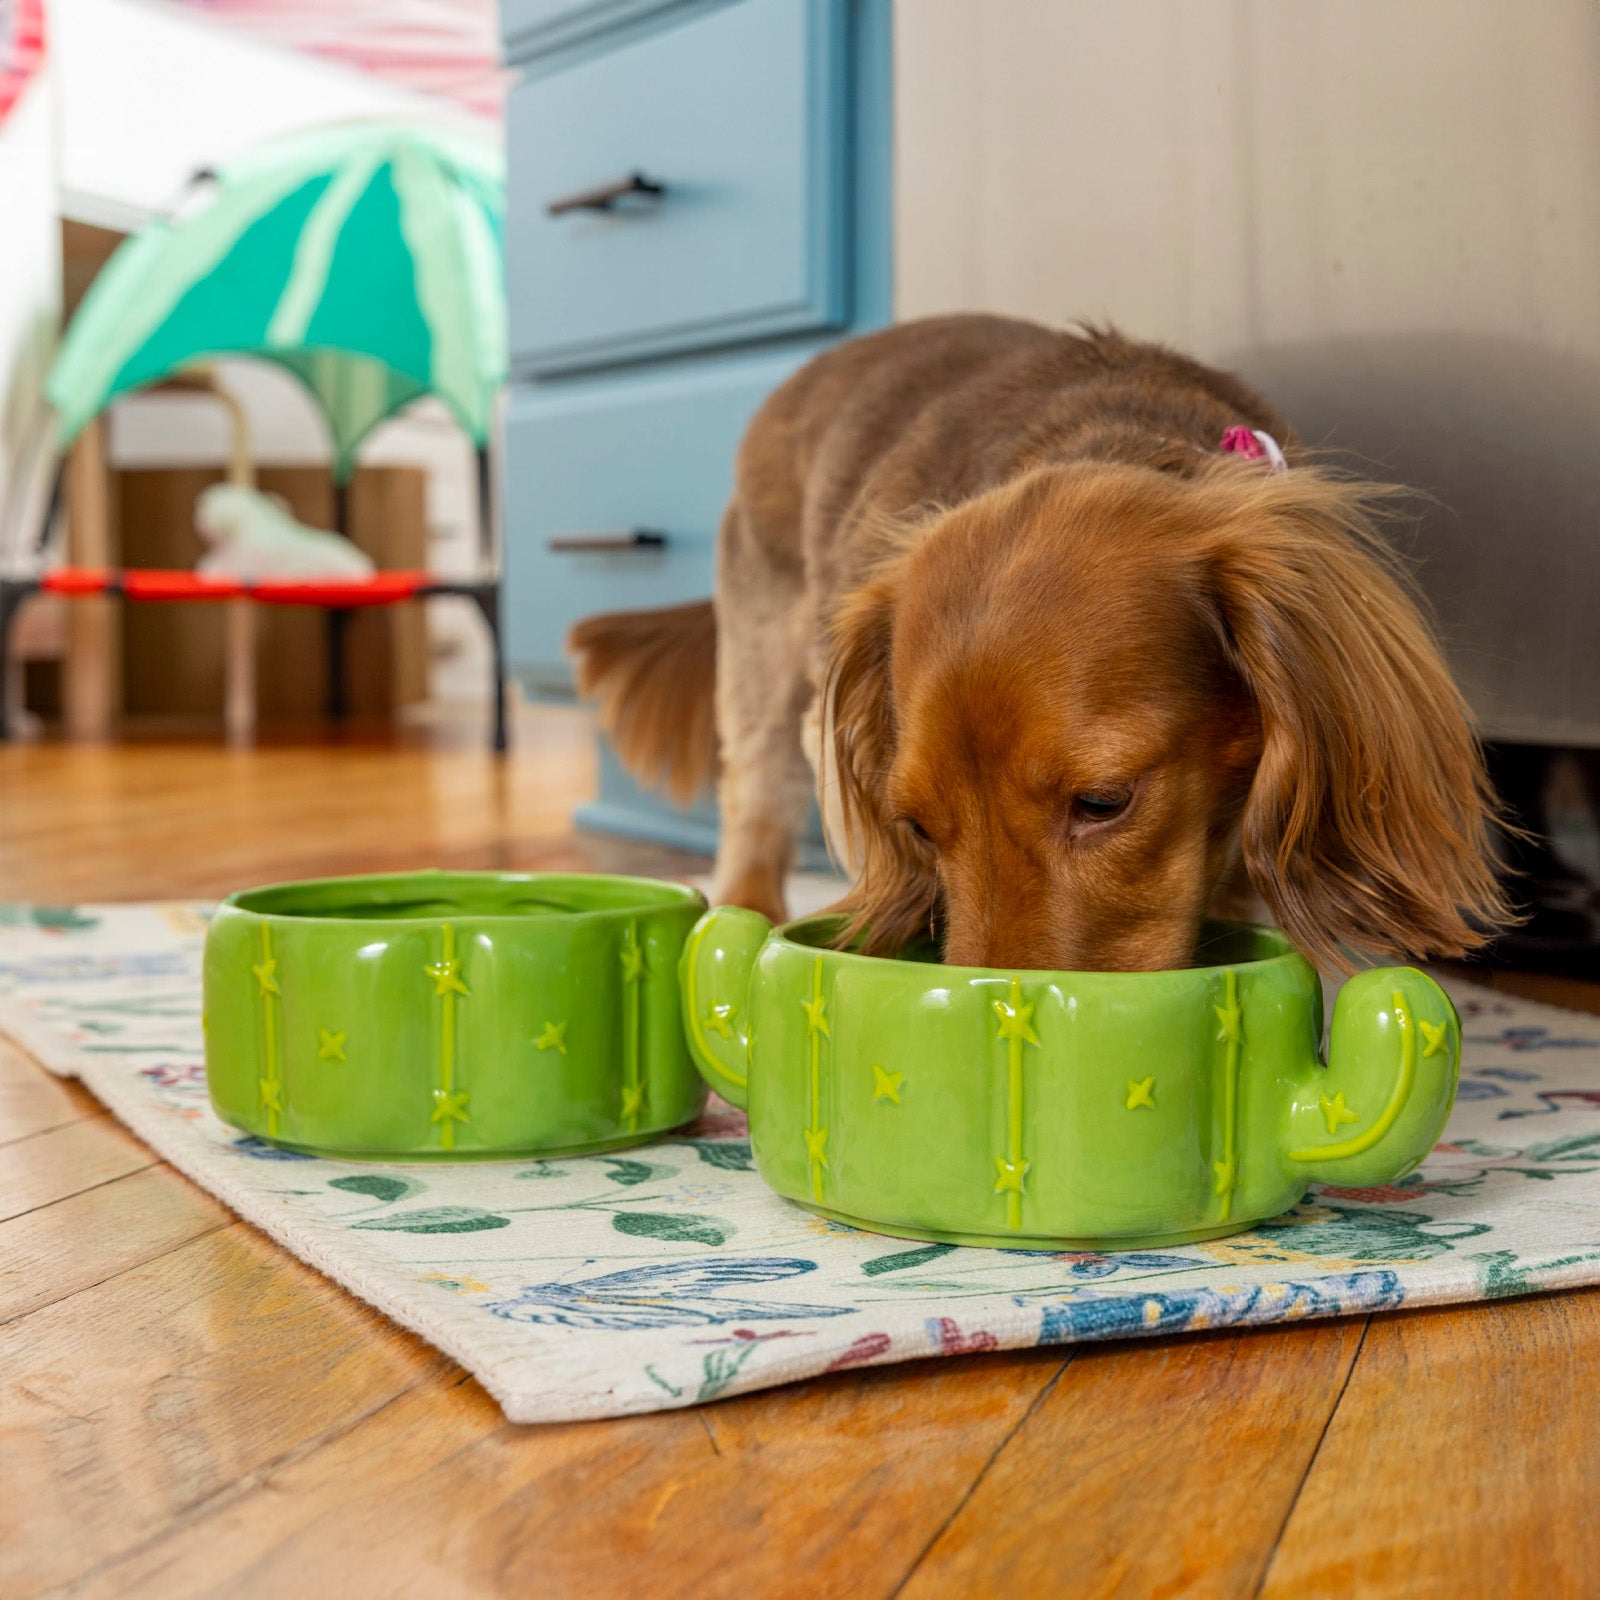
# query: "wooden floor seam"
1311, 1461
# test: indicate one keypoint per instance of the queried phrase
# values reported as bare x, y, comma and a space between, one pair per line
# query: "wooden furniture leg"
92, 692
240, 672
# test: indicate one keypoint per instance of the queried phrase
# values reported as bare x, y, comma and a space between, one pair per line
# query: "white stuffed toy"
253, 535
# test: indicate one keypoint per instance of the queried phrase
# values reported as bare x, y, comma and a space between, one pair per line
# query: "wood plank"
168, 820
93, 697
65, 1161
33, 1100
87, 1238
1152, 1468
1573, 993
1576, 994
127, 1405
823, 1488
1463, 1460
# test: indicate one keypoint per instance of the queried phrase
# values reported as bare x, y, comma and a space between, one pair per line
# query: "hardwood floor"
185, 1410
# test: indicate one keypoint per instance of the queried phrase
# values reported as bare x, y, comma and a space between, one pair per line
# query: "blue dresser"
697, 202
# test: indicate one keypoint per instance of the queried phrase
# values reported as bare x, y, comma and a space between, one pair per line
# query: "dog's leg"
762, 693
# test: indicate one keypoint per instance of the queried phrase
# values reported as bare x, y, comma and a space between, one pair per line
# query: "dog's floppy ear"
891, 901
1368, 822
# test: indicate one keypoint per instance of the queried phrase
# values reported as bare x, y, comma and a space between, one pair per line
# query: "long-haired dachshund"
1070, 644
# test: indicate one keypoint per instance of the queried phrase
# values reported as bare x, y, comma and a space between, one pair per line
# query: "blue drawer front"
528, 26
742, 113
652, 453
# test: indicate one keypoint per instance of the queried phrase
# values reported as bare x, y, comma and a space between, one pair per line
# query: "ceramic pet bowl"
443, 1014
1041, 1109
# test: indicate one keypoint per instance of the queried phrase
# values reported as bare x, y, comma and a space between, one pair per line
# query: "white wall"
30, 310
1387, 214
151, 92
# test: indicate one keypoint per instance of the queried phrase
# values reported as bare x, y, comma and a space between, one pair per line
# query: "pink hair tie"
1254, 445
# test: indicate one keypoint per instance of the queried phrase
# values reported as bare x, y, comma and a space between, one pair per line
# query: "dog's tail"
654, 676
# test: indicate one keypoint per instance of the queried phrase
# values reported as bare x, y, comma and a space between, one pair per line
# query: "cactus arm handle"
1402, 1092
1394, 1059
718, 959
704, 1052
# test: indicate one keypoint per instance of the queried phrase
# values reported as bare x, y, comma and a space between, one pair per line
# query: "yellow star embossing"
446, 977
886, 1085
1011, 1174
815, 1021
1014, 1021
1228, 1016
816, 1145
720, 1019
1437, 1035
1335, 1111
554, 1037
1226, 1172
1142, 1093
271, 1093
264, 971
330, 1046
632, 963
632, 1099
449, 1107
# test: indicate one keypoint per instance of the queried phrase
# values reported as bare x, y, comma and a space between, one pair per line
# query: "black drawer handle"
604, 196
601, 543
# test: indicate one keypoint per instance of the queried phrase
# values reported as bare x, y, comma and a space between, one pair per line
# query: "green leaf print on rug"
628, 1173
1503, 1272
903, 1259
720, 1368
1315, 1228
50, 919
730, 1155
437, 1219
376, 1184
685, 1230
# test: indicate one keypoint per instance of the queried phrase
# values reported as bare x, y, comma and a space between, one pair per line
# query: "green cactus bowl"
443, 1015
1040, 1110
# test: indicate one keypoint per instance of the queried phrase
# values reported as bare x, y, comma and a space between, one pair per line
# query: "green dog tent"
366, 259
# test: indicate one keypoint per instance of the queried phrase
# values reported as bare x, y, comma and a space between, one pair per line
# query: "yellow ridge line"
1230, 1096
816, 1081
269, 1027
630, 1043
447, 1044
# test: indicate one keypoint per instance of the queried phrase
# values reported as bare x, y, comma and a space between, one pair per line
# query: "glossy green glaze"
1036, 1109
437, 1015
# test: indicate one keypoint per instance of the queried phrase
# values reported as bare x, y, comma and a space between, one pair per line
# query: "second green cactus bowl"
448, 1015
1042, 1109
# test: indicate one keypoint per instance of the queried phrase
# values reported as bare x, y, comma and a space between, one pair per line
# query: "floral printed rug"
669, 1275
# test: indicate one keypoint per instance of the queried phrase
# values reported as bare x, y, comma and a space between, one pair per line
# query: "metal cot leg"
12, 594
488, 598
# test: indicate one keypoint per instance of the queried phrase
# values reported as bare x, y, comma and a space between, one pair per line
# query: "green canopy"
364, 257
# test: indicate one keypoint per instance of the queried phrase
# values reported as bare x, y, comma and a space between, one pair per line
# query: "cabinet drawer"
740, 114
601, 459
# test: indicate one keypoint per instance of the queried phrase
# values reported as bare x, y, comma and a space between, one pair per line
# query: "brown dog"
1060, 664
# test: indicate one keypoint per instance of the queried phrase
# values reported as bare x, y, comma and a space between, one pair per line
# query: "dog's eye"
1101, 805
916, 828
